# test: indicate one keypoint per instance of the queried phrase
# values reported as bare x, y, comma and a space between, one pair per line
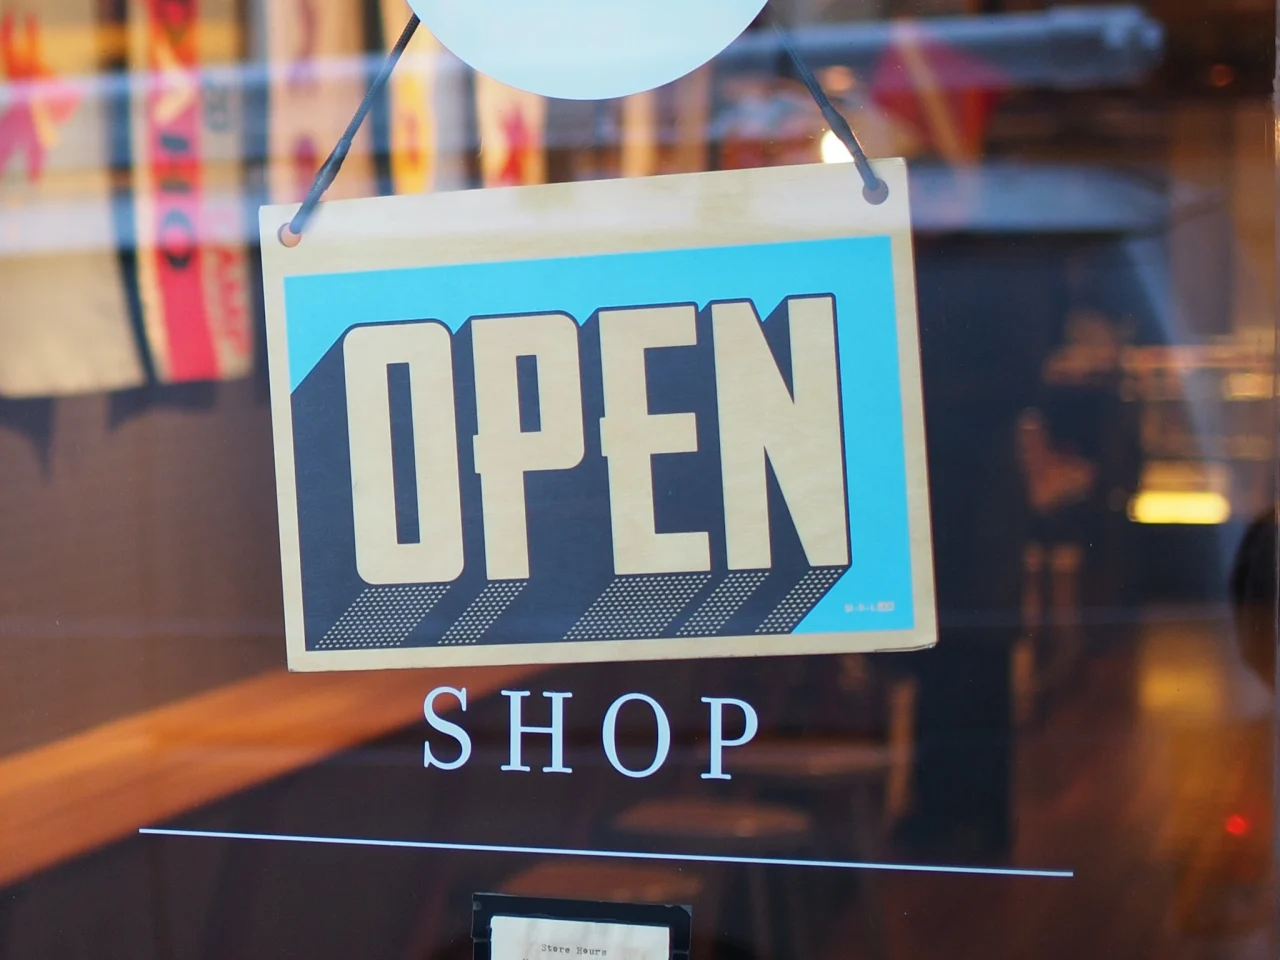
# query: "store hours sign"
652, 418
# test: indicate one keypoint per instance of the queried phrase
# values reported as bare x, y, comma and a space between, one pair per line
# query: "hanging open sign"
635, 419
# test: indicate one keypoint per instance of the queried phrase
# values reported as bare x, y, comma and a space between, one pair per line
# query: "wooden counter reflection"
73, 795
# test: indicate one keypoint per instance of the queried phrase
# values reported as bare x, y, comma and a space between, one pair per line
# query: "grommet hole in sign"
461, 27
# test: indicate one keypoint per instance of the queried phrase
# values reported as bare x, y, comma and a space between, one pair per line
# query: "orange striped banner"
188, 194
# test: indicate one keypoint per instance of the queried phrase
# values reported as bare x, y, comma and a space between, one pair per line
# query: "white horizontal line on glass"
606, 854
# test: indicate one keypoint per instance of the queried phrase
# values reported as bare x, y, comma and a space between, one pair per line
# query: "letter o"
177, 239
608, 736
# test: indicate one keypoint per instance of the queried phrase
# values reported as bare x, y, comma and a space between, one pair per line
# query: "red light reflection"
1236, 825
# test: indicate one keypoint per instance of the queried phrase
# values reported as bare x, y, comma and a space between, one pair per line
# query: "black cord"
291, 232
874, 190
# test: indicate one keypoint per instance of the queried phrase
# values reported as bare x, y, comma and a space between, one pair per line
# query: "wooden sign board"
638, 419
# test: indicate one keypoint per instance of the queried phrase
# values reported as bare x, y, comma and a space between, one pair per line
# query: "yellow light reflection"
1201, 507
833, 151
1243, 385
1165, 689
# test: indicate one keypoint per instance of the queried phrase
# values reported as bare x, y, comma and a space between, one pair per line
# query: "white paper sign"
538, 938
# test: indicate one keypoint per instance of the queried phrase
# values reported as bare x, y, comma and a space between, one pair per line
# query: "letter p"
750, 725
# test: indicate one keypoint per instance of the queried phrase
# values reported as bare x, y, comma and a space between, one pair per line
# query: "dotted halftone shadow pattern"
483, 611
725, 600
382, 617
636, 607
800, 600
